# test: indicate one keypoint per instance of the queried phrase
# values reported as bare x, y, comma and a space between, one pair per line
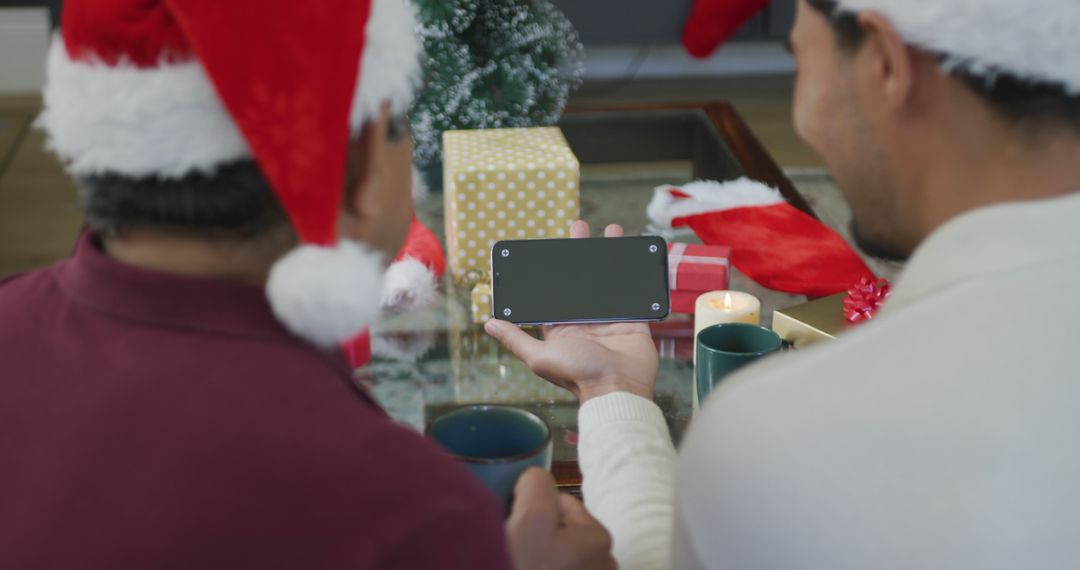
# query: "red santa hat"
772, 242
168, 88
986, 38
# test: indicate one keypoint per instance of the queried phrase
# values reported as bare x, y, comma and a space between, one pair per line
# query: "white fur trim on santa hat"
326, 295
409, 284
1037, 41
708, 196
168, 121
390, 66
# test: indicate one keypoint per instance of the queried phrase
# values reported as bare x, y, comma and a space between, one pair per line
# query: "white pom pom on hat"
169, 88
314, 290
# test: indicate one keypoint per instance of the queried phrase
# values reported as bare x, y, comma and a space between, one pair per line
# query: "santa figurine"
412, 280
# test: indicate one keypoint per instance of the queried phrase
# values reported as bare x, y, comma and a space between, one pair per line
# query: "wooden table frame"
710, 134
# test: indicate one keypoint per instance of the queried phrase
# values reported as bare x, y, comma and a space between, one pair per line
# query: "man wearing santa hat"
942, 433
173, 395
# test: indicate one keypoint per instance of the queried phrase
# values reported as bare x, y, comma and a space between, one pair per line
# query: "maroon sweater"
158, 421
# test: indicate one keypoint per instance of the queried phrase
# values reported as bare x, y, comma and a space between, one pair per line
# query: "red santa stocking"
713, 21
772, 242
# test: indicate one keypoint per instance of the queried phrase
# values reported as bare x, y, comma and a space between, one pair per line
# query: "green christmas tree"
491, 64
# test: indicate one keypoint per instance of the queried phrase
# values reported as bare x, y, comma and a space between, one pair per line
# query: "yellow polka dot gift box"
505, 184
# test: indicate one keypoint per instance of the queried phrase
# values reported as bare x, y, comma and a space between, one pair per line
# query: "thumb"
573, 512
514, 339
583, 536
536, 500
534, 518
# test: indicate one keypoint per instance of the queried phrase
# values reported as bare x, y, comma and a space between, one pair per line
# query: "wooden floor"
39, 215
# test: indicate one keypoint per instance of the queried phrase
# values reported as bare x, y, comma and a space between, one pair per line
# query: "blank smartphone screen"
580, 280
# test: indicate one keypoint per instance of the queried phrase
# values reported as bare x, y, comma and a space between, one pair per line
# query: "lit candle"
716, 307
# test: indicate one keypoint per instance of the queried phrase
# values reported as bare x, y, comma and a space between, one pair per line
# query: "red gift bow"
865, 298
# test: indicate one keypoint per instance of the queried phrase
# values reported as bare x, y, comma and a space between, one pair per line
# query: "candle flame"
726, 304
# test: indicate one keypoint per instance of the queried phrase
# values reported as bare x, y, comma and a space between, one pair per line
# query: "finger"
535, 509
573, 512
537, 485
515, 340
586, 546
613, 230
579, 229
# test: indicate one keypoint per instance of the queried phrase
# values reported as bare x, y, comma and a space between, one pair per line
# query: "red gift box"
674, 338
694, 270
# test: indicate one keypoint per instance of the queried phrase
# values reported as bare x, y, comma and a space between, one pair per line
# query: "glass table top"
431, 361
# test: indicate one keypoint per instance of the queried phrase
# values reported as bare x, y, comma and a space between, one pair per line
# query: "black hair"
849, 35
1022, 102
234, 202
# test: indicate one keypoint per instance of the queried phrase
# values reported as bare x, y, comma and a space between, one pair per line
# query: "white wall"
672, 61
24, 37
24, 40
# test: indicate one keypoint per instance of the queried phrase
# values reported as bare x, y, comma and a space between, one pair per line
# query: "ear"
362, 161
887, 65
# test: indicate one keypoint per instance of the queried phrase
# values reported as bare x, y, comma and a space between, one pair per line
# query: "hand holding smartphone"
589, 360
589, 280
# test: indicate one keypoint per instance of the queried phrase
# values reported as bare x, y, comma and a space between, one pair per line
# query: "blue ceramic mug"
496, 443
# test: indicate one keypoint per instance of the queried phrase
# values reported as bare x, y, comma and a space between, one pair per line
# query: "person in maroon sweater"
171, 395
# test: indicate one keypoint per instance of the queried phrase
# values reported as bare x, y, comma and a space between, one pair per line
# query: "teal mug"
724, 348
496, 443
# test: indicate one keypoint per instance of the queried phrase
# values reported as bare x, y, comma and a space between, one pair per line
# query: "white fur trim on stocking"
409, 284
326, 295
1037, 41
168, 121
708, 196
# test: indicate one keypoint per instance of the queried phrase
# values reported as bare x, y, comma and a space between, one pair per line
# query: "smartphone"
591, 280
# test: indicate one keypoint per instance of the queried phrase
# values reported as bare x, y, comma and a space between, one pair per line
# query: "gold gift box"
814, 321
505, 184
480, 302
